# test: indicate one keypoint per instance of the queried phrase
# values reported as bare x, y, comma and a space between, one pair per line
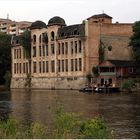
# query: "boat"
86, 89
100, 89
107, 89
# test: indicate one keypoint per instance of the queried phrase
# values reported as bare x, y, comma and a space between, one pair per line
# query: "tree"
89, 77
26, 42
101, 52
95, 71
5, 55
135, 43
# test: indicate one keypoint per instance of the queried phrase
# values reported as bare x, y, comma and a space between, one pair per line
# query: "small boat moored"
100, 89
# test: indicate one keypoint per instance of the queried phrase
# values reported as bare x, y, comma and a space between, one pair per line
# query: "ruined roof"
16, 40
38, 25
56, 21
71, 31
122, 63
100, 16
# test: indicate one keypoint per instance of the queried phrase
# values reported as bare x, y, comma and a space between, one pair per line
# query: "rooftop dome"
38, 25
56, 21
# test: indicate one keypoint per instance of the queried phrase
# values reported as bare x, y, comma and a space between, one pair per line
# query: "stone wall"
51, 83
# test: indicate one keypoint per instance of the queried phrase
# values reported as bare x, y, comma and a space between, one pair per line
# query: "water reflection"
120, 111
5, 105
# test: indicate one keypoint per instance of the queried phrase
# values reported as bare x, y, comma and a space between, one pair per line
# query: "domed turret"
56, 21
38, 25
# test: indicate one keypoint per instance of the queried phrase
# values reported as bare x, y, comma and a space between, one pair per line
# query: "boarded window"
66, 47
80, 64
62, 65
52, 36
34, 51
62, 48
40, 39
40, 51
59, 48
34, 67
34, 38
47, 67
52, 49
66, 64
43, 50
80, 46
24, 68
15, 68
43, 66
71, 47
76, 66
53, 65
59, 67
47, 51
72, 67
75, 46
40, 69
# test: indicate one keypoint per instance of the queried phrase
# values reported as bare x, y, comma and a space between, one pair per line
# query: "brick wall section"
120, 49
116, 35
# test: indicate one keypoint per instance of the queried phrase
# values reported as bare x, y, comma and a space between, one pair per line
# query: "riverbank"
65, 126
2, 87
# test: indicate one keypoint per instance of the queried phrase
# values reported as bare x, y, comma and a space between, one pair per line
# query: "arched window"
52, 36
45, 38
75, 32
34, 38
40, 39
62, 34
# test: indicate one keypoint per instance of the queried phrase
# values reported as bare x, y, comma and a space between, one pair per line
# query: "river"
121, 111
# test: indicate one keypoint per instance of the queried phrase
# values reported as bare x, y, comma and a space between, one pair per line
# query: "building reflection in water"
120, 111
39, 105
5, 105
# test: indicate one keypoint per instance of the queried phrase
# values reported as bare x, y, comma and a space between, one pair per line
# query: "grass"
65, 126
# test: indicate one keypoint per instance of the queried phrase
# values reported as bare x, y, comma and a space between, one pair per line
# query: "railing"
107, 73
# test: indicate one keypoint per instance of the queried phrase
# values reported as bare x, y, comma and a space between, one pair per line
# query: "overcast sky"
73, 11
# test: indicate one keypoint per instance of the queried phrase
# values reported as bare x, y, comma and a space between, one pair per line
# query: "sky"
73, 11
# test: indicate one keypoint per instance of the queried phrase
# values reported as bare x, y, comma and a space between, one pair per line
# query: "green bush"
36, 131
95, 71
9, 129
128, 84
89, 76
65, 125
94, 129
7, 78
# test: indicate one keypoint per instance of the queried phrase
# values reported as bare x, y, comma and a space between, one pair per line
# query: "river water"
121, 111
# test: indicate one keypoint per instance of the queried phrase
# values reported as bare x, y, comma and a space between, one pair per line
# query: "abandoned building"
62, 56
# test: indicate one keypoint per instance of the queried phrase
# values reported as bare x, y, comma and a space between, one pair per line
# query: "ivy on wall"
102, 48
26, 42
101, 53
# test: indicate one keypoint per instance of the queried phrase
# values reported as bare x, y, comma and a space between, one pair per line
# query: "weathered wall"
51, 83
116, 35
120, 47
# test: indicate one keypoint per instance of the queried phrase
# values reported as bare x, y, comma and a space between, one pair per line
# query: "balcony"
12, 27
3, 29
107, 73
104, 71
